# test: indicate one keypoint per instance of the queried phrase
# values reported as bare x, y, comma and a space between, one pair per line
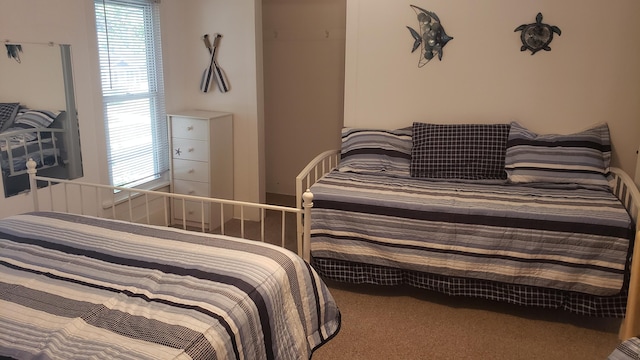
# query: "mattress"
569, 238
76, 286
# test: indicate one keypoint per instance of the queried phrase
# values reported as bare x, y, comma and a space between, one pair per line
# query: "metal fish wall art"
431, 37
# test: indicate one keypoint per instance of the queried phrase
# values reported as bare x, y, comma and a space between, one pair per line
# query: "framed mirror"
38, 115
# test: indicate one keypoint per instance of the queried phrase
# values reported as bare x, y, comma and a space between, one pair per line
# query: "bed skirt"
574, 302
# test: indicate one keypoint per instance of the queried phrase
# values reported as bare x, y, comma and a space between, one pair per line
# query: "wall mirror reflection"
38, 116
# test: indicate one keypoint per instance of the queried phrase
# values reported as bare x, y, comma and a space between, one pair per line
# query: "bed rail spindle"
242, 221
66, 198
184, 214
81, 200
221, 219
146, 205
113, 205
50, 191
262, 221
165, 206
282, 228
130, 206
99, 202
202, 216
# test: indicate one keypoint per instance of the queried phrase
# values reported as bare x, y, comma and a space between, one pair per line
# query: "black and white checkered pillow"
8, 112
467, 151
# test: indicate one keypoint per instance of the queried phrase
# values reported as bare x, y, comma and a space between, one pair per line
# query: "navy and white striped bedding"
569, 239
75, 286
627, 350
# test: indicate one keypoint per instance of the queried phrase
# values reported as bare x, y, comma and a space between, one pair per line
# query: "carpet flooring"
396, 322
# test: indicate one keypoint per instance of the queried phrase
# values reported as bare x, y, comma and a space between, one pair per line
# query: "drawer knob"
190, 127
178, 151
190, 212
191, 192
191, 149
191, 171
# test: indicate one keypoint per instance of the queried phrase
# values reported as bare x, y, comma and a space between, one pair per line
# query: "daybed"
491, 211
82, 286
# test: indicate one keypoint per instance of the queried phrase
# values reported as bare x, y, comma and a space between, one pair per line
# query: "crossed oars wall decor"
213, 72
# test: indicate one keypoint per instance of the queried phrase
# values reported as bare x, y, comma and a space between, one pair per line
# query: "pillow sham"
8, 113
580, 158
459, 151
376, 151
36, 118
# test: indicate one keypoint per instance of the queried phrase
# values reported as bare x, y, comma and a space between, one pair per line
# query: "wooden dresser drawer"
189, 128
188, 149
194, 188
190, 170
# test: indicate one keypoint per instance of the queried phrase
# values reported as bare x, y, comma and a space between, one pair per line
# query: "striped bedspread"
82, 287
569, 239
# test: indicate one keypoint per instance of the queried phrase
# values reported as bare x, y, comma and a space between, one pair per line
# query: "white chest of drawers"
201, 164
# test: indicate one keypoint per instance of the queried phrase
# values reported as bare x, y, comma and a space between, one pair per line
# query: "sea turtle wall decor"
537, 36
431, 38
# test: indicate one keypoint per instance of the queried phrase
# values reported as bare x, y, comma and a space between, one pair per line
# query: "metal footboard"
72, 196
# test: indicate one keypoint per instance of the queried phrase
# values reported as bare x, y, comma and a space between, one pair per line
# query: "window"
132, 90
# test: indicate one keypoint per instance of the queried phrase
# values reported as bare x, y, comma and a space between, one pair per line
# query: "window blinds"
132, 89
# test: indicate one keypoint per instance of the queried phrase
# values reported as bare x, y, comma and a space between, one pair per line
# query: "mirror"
38, 115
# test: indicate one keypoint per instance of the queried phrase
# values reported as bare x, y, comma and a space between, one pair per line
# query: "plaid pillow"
8, 113
376, 151
468, 151
581, 158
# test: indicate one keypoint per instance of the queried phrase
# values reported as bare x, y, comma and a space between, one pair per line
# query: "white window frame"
150, 92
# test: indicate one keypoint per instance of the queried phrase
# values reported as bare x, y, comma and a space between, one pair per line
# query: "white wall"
591, 75
239, 54
183, 23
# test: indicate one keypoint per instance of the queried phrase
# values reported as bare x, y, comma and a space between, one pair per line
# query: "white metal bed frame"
106, 193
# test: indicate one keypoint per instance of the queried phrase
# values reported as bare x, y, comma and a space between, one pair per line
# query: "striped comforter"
569, 239
81, 287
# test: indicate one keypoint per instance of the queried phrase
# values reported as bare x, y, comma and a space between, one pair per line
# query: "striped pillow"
376, 151
581, 158
36, 118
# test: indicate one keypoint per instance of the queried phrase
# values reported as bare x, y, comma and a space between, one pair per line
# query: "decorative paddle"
213, 72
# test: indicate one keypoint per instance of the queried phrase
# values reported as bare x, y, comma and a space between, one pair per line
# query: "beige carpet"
380, 322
